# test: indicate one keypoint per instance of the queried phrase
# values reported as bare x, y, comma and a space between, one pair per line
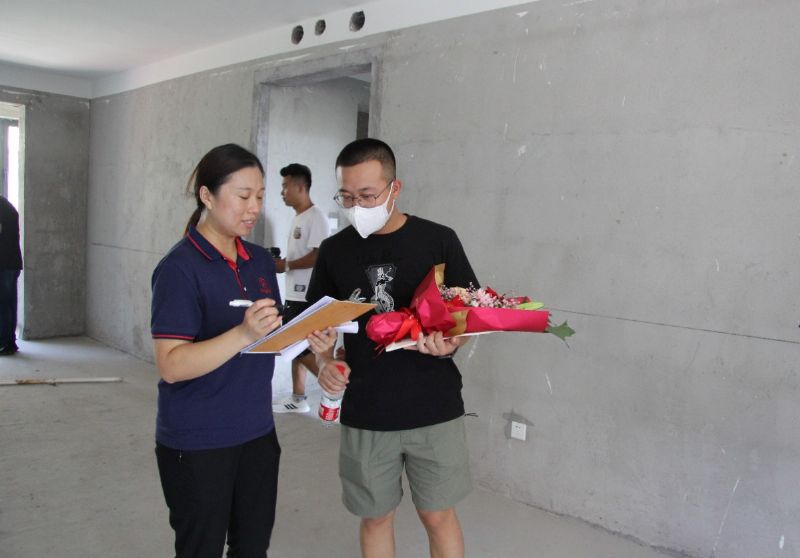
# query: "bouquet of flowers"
460, 311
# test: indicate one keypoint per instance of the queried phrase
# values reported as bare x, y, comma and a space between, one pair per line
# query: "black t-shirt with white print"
401, 389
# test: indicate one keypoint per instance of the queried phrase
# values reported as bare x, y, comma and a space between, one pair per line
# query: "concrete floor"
78, 476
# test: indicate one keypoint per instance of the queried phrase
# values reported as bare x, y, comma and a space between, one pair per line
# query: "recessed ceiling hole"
357, 21
297, 34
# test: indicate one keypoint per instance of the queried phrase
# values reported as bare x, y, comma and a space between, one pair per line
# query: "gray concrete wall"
145, 144
632, 164
55, 182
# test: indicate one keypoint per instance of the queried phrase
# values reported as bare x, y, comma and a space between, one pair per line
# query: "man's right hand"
330, 378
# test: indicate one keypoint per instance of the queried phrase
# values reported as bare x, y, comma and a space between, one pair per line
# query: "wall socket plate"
519, 430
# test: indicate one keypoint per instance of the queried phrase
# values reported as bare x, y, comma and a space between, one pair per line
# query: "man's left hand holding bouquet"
435, 344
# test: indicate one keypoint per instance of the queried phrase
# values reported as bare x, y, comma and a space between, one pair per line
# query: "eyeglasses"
366, 200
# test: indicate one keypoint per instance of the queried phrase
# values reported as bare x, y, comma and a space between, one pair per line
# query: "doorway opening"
11, 178
307, 118
308, 121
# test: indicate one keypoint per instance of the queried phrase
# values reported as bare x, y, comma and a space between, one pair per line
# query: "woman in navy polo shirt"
216, 445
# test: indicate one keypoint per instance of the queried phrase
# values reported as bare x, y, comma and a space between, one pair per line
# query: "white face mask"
367, 220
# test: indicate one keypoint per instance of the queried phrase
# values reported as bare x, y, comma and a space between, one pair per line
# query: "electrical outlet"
518, 430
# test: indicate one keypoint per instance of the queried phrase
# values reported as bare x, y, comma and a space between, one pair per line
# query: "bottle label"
329, 410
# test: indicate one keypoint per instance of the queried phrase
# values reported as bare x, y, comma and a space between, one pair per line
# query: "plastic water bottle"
330, 404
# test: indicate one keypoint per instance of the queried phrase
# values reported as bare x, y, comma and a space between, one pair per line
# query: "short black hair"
296, 170
368, 149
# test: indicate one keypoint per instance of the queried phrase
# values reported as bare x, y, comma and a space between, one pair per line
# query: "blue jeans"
8, 307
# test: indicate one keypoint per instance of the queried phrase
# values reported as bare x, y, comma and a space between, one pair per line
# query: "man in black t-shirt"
401, 409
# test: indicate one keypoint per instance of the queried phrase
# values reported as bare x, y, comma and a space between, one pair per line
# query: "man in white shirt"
309, 228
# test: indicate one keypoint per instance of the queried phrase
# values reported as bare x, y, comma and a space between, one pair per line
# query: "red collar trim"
241, 250
196, 245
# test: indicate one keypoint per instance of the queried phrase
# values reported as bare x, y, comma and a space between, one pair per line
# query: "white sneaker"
289, 405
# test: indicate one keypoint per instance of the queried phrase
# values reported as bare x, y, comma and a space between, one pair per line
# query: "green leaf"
530, 305
562, 331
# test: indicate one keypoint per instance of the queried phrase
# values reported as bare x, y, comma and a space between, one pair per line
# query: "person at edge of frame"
10, 269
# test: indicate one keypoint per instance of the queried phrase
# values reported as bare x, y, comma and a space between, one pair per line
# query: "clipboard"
328, 312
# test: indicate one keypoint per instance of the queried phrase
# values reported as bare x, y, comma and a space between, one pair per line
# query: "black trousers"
8, 308
216, 493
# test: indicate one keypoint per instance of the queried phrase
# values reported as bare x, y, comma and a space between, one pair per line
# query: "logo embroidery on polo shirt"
263, 286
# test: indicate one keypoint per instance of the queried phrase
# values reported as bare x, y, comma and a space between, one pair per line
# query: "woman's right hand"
260, 319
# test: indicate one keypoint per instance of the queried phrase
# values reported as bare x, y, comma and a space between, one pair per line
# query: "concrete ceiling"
90, 38
94, 48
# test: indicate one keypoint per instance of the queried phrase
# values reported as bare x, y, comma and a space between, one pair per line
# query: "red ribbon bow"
410, 327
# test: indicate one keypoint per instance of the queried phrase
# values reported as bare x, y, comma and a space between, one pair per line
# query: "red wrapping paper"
506, 319
428, 312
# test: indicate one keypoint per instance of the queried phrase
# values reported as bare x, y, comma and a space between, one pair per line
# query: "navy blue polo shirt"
192, 287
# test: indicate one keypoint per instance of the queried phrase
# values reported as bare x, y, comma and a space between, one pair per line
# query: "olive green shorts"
435, 458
